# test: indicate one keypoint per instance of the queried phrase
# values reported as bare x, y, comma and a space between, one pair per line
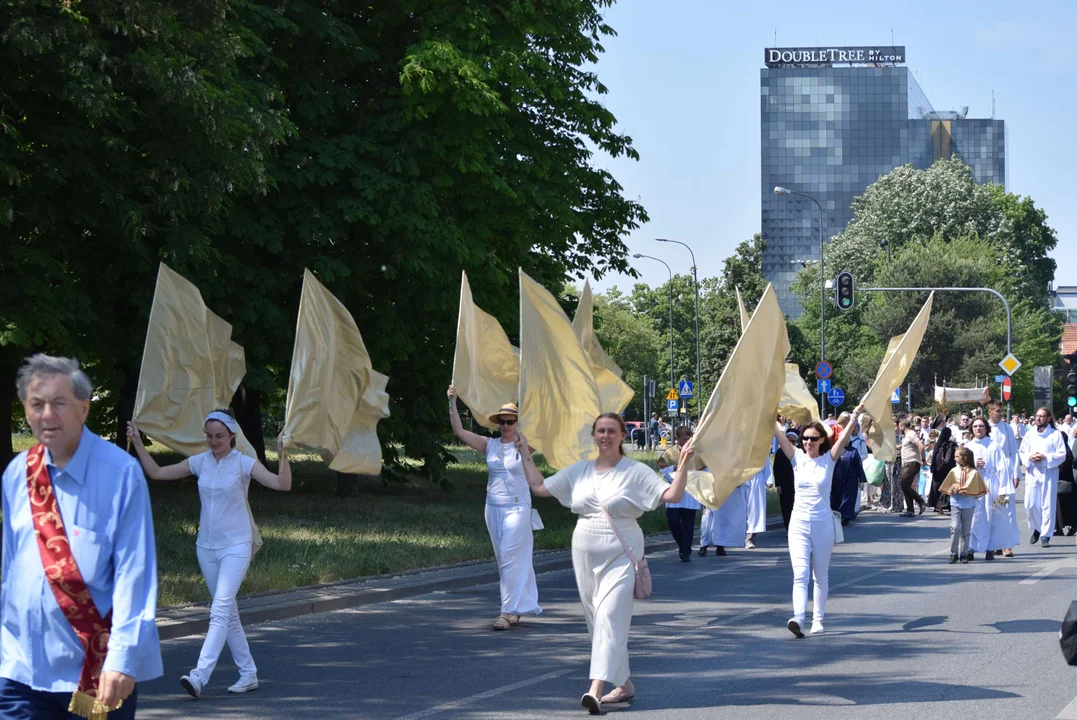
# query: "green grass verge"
312, 536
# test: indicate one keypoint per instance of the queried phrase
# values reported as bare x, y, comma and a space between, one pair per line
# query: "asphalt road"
909, 636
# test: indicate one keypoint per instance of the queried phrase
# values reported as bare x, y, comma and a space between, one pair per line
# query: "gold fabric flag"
559, 398
737, 426
486, 368
190, 367
743, 312
797, 402
900, 353
613, 394
335, 398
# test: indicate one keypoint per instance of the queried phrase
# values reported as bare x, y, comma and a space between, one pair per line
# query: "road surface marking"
455, 704
1047, 570
1069, 712
765, 565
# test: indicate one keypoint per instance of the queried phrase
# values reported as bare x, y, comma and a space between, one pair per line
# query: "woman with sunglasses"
811, 526
508, 511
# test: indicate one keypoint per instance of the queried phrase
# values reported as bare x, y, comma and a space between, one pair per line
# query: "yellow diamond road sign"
672, 394
1009, 364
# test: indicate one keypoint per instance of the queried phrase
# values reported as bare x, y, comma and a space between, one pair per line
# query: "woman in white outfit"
225, 537
991, 466
611, 489
508, 511
811, 526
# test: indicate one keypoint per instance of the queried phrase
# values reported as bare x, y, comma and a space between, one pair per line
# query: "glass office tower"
831, 132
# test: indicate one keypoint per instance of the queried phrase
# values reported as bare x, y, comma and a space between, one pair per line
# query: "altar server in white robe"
728, 525
608, 494
757, 503
508, 511
989, 463
1004, 531
1042, 451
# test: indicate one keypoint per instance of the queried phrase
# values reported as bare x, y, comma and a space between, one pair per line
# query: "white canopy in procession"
947, 396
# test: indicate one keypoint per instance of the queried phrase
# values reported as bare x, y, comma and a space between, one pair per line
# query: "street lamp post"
778, 190
638, 256
695, 285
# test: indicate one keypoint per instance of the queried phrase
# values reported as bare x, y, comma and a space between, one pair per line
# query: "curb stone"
193, 618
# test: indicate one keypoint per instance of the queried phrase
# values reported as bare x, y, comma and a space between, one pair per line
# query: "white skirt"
606, 578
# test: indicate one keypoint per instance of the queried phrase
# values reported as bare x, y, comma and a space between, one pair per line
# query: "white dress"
604, 575
984, 515
508, 520
757, 499
1004, 530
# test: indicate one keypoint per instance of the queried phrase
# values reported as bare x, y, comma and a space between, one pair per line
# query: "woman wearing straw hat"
508, 511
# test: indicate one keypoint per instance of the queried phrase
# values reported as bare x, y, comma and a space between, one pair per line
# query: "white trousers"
810, 544
224, 571
1040, 498
605, 579
510, 534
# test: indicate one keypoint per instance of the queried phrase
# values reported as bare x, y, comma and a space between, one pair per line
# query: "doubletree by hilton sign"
825, 56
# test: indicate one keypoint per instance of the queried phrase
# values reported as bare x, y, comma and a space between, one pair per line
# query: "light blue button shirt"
105, 506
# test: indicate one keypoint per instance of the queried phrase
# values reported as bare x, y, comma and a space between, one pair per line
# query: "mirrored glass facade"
830, 132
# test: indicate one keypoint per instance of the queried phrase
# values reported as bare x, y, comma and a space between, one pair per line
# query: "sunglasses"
510, 421
811, 438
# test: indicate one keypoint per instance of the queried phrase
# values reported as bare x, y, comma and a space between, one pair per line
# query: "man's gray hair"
41, 365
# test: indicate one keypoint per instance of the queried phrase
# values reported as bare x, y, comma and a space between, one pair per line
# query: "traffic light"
1071, 386
845, 291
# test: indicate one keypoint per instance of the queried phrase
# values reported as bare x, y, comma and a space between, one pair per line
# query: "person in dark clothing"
639, 435
848, 475
1066, 507
942, 462
783, 479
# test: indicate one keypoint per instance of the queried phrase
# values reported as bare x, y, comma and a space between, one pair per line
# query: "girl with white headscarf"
226, 537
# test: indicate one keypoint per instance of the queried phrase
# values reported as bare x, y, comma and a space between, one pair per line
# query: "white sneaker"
817, 627
749, 544
794, 627
192, 685
245, 684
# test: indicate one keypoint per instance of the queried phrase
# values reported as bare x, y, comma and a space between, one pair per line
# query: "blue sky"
683, 77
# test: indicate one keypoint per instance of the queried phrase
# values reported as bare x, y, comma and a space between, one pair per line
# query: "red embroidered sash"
67, 585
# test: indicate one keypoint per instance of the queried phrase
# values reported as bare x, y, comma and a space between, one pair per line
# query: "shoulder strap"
613, 526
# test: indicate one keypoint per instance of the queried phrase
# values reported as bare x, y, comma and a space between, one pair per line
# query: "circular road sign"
836, 396
824, 370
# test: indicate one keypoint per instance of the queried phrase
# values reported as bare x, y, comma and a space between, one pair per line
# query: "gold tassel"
87, 706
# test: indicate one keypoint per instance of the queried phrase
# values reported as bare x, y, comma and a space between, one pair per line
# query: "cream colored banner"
190, 367
559, 398
735, 431
614, 395
486, 368
335, 398
900, 353
743, 312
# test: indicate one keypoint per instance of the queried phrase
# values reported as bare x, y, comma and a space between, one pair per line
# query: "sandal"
514, 619
502, 622
618, 695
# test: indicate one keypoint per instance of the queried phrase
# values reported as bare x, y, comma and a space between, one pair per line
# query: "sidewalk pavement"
193, 618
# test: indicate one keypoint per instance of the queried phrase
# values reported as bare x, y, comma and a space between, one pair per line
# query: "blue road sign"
822, 386
1000, 378
896, 397
836, 396
824, 370
686, 389
671, 405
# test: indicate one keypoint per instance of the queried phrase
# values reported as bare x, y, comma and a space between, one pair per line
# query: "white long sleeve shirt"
1050, 443
1003, 437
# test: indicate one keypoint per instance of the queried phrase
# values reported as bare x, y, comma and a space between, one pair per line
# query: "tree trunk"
9, 363
247, 407
125, 407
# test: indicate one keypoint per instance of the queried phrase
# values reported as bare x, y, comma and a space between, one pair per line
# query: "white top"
1002, 435
1051, 444
687, 502
994, 465
507, 484
811, 480
627, 490
222, 488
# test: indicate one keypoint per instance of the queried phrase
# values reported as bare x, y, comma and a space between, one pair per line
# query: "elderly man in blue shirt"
100, 496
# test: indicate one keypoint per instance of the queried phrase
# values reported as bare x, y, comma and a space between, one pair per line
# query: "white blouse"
812, 479
507, 484
627, 490
222, 488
